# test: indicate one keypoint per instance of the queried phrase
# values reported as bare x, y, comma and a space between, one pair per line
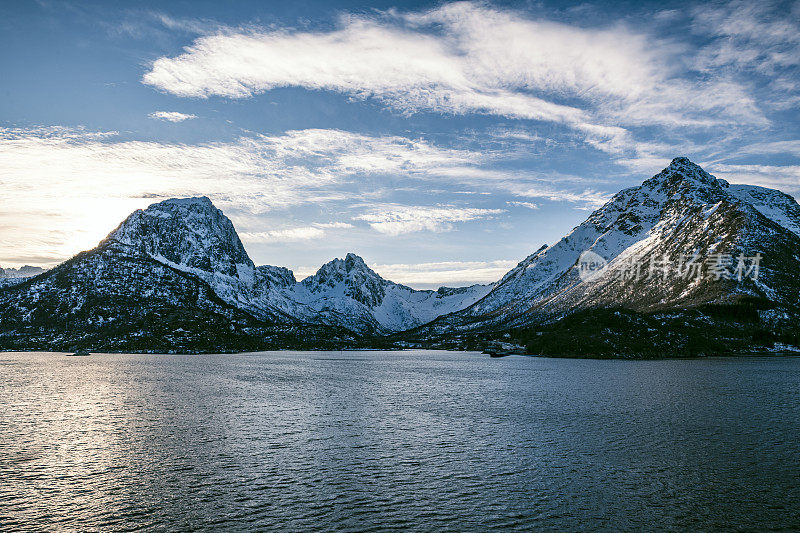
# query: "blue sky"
443, 142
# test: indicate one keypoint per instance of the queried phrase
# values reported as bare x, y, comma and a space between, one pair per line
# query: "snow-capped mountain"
193, 236
659, 240
187, 248
177, 275
26, 271
348, 293
13, 276
174, 276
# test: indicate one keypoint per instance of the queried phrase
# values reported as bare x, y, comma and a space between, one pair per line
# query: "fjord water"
421, 440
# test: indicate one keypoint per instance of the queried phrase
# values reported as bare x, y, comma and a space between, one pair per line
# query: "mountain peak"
195, 200
360, 282
188, 232
352, 261
684, 168
682, 161
682, 172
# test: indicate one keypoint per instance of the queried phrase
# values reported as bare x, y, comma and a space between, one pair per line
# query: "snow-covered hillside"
681, 212
181, 262
347, 292
192, 236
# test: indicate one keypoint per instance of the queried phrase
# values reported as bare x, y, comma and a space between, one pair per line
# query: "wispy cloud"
171, 116
307, 233
785, 178
527, 205
295, 234
466, 57
756, 39
791, 147
400, 219
761, 36
452, 273
84, 183
334, 225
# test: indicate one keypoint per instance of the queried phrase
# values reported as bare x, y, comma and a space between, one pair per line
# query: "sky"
441, 141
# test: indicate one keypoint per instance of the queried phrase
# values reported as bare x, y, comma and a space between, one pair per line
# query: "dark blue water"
401, 440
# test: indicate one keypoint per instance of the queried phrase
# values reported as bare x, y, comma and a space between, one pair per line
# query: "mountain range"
684, 252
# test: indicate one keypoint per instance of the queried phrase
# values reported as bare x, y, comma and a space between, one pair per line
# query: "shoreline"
763, 354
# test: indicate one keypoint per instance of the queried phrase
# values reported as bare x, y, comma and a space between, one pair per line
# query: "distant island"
683, 265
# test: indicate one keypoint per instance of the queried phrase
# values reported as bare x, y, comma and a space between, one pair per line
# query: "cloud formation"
467, 57
527, 205
399, 219
452, 273
296, 234
307, 233
84, 183
763, 36
171, 116
785, 178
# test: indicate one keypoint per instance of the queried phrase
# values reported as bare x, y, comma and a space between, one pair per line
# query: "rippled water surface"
397, 440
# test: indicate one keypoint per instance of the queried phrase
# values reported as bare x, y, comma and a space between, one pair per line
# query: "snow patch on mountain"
347, 292
681, 210
775, 205
193, 236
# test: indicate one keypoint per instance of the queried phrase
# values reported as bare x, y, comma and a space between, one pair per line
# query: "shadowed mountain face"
674, 242
188, 232
176, 276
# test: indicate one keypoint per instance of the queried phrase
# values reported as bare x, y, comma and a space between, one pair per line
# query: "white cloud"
284, 235
785, 178
466, 57
296, 234
171, 116
84, 183
527, 205
65, 189
763, 36
773, 147
756, 39
452, 273
589, 199
399, 219
334, 225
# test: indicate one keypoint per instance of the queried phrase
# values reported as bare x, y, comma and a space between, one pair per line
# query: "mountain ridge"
681, 209
191, 247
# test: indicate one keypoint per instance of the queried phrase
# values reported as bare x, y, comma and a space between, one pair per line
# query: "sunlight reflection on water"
397, 440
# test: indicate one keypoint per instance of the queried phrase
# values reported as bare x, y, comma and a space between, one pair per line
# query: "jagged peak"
683, 169
682, 161
184, 231
24, 271
351, 262
200, 201
277, 274
361, 282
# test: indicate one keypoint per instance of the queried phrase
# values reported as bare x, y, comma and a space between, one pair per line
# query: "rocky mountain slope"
682, 239
183, 259
348, 293
176, 276
193, 236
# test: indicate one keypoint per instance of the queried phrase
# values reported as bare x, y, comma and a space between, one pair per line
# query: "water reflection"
370, 440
